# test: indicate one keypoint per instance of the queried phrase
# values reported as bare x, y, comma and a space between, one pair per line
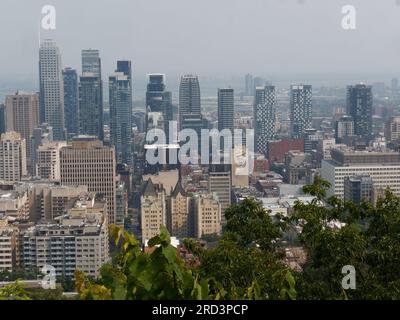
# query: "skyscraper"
91, 62
120, 85
359, 107
93, 92
264, 117
249, 85
22, 115
2, 119
87, 162
300, 109
51, 88
226, 106
190, 116
90, 105
159, 100
71, 100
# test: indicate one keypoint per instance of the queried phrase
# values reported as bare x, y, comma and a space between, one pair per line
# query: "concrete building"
208, 218
382, 166
153, 211
41, 135
22, 115
48, 160
9, 253
344, 128
87, 162
278, 149
178, 221
13, 163
14, 204
75, 241
358, 189
121, 204
48, 200
392, 129
220, 183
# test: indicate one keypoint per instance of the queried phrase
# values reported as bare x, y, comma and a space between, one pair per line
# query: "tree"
248, 259
367, 239
135, 275
13, 291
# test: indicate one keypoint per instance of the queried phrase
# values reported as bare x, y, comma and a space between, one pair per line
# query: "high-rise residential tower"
120, 85
300, 109
51, 88
264, 117
71, 100
359, 107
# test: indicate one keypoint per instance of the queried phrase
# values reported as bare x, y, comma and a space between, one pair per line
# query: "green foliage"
248, 259
14, 291
136, 275
369, 240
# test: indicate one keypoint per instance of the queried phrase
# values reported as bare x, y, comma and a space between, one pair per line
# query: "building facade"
13, 163
71, 100
300, 109
51, 88
87, 162
264, 117
120, 85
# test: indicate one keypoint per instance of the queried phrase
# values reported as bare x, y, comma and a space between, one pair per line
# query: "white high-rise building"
51, 88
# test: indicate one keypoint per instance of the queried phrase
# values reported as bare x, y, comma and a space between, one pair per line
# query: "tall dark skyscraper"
2, 119
51, 88
226, 106
71, 100
264, 117
90, 106
190, 116
359, 107
159, 100
300, 109
120, 86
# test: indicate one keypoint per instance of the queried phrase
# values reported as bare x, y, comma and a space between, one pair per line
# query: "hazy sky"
222, 38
